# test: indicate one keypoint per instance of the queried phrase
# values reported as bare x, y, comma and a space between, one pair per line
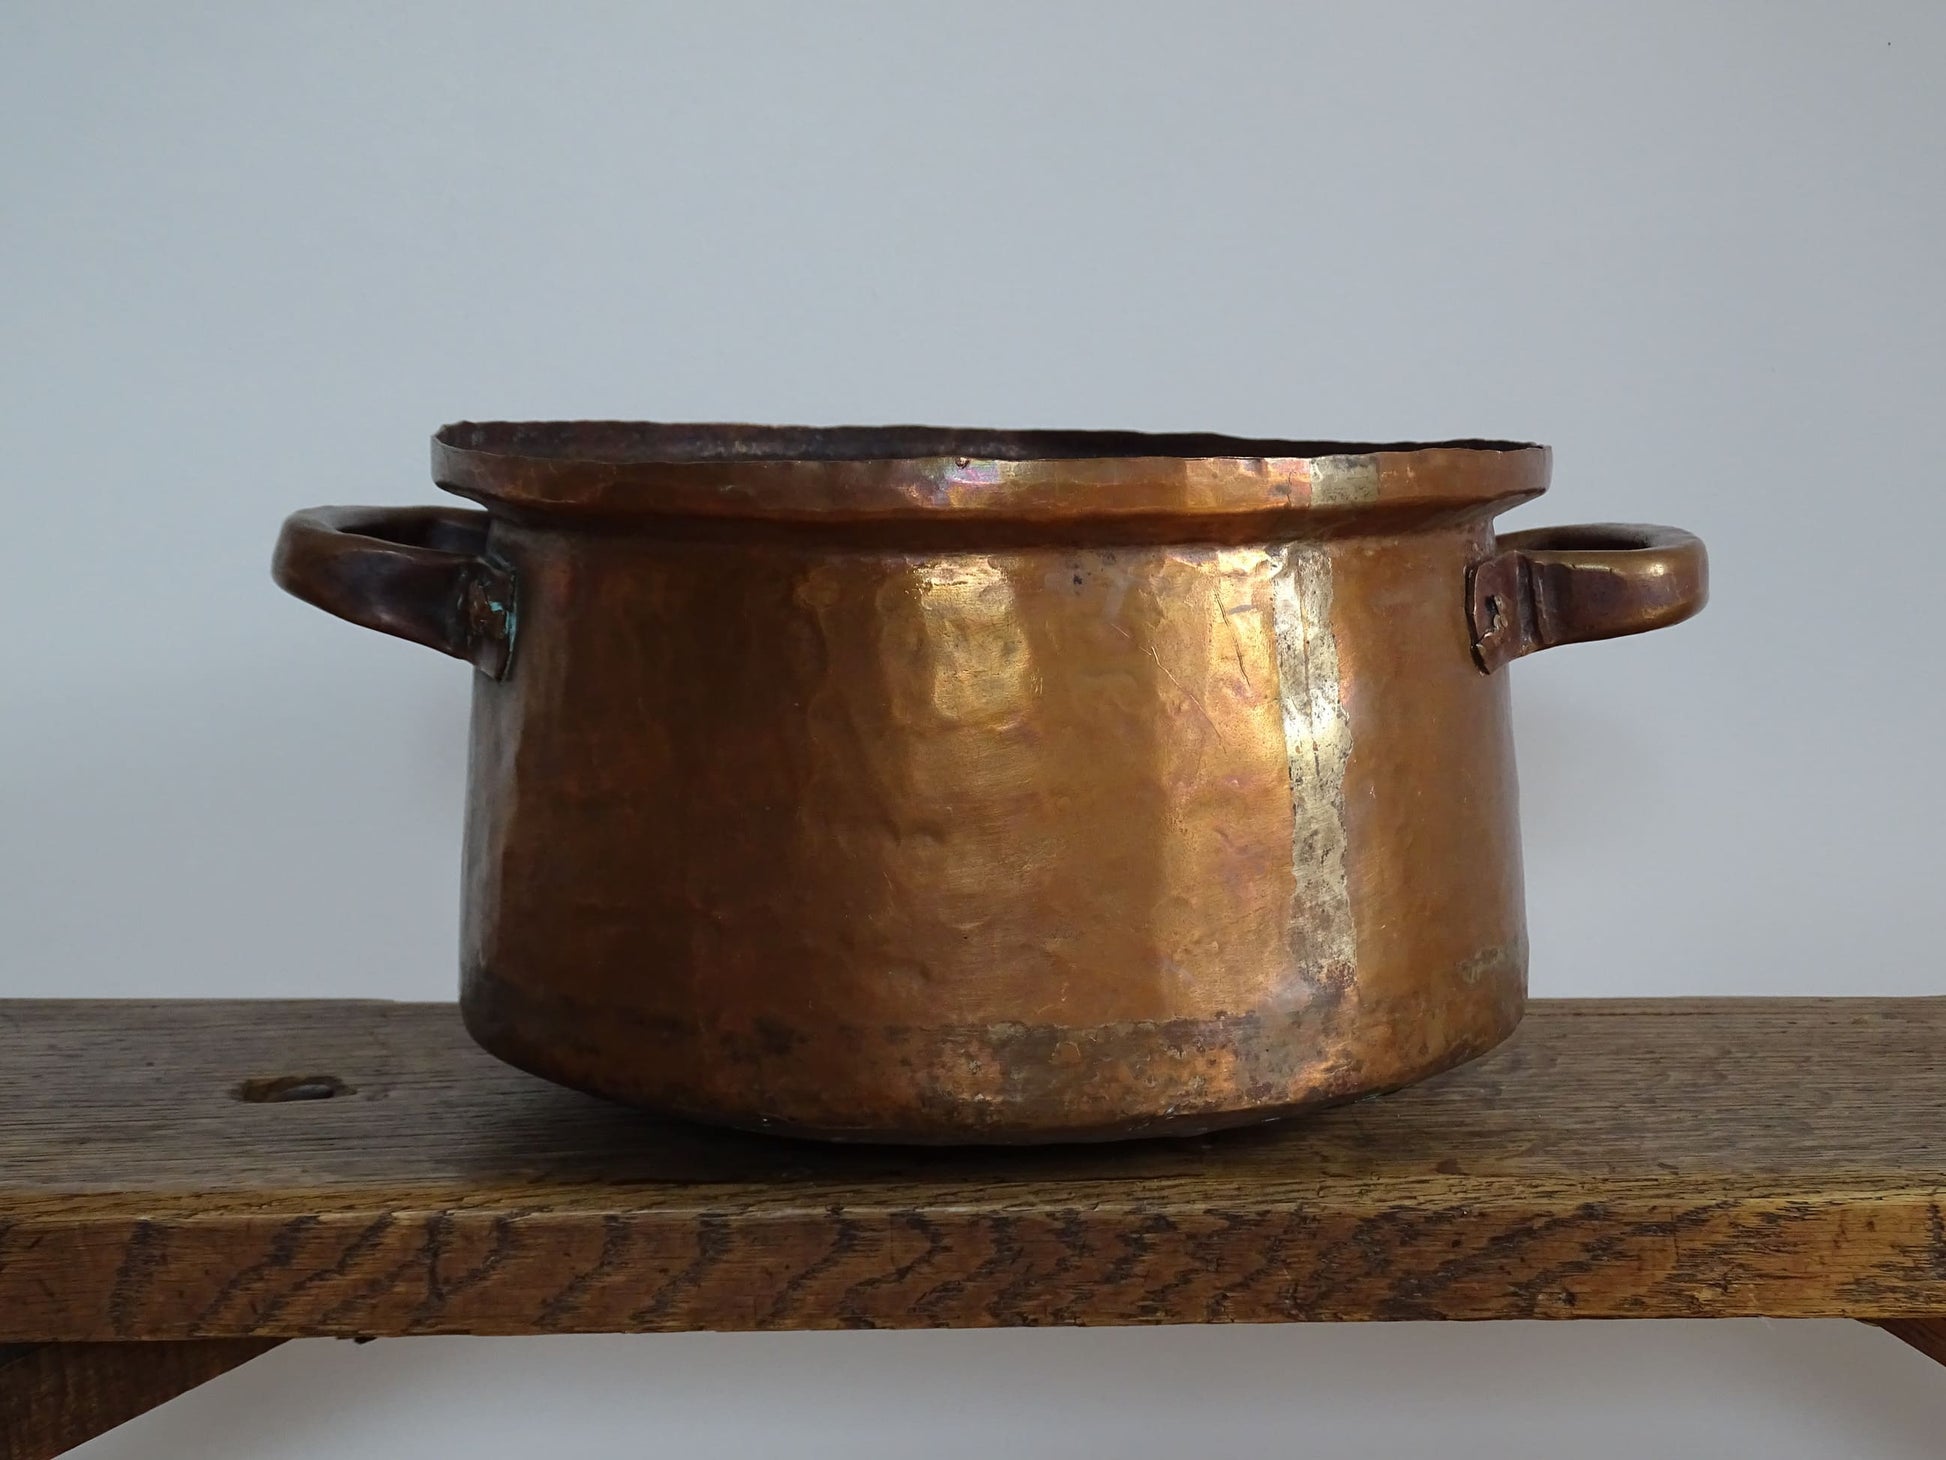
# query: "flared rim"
876, 473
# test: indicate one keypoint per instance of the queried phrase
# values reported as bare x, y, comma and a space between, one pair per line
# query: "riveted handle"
415, 572
1562, 585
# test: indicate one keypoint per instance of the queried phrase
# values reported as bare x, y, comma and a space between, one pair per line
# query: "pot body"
924, 826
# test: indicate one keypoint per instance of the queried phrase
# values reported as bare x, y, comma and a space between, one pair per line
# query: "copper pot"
961, 786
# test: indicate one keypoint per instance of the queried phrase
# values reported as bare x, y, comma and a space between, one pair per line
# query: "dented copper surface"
976, 786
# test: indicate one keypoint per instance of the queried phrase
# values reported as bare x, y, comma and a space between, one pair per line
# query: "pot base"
1087, 1099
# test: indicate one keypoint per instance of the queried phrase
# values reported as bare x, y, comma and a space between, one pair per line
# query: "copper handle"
1562, 585
415, 572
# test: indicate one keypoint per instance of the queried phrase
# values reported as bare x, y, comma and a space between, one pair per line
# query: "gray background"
254, 254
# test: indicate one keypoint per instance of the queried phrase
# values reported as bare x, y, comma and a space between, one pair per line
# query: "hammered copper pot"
961, 786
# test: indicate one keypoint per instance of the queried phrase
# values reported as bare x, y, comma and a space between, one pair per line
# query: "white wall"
253, 254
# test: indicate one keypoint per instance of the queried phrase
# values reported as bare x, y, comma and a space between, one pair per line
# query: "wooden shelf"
1618, 1159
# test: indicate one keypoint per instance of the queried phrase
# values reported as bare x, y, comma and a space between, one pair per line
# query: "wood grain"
1616, 1159
54, 1396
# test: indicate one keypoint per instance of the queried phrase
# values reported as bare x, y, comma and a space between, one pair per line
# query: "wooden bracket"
1928, 1335
53, 1396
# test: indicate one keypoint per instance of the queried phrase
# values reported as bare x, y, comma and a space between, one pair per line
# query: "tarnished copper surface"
977, 786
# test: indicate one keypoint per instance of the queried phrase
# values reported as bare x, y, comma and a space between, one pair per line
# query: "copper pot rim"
930, 473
